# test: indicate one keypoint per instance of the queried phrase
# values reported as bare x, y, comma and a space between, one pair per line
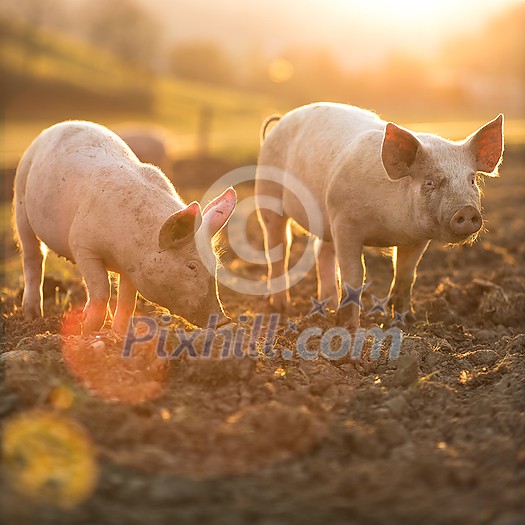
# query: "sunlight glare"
402, 12
280, 70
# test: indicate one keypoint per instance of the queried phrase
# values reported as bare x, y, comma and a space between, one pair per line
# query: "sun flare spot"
49, 458
280, 70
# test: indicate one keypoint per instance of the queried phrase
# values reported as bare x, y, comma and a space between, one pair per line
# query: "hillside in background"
48, 77
45, 73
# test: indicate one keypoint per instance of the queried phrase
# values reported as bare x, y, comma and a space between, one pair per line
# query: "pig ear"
399, 151
179, 226
218, 211
487, 145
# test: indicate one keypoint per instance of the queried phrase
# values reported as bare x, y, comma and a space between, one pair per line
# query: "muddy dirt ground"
435, 436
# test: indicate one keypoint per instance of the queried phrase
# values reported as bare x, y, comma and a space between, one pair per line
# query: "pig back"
310, 143
84, 185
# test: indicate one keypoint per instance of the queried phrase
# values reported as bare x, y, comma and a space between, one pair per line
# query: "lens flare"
97, 362
280, 70
49, 458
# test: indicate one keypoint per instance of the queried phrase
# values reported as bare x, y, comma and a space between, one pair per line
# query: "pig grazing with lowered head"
81, 191
376, 184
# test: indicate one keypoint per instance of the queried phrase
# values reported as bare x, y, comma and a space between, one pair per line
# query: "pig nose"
465, 221
223, 319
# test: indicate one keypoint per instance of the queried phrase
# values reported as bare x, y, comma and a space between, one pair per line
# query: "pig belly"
385, 236
297, 210
51, 214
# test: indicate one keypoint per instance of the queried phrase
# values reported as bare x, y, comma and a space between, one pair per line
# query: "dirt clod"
407, 370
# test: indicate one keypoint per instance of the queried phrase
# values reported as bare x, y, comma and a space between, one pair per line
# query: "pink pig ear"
399, 151
181, 225
487, 145
218, 211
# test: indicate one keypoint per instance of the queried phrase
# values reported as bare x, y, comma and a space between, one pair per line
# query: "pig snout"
204, 320
466, 221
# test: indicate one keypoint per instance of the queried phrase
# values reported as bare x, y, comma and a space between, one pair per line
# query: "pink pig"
376, 184
82, 192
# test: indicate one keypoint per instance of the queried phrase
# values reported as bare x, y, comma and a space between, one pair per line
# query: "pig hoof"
32, 311
347, 319
121, 327
94, 316
348, 325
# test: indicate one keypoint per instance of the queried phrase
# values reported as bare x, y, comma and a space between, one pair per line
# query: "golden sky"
353, 30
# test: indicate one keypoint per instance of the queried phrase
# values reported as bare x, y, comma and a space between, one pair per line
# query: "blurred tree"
44, 72
33, 13
202, 61
499, 49
125, 29
28, 18
490, 63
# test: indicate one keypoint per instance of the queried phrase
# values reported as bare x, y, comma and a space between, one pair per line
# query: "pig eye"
429, 184
191, 266
473, 179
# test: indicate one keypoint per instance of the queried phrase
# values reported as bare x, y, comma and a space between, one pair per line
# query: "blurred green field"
234, 125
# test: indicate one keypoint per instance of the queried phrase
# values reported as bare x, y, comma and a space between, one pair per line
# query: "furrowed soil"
436, 435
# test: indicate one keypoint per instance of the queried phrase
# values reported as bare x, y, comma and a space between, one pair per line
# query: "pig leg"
127, 296
349, 253
33, 263
98, 286
276, 230
405, 260
326, 267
